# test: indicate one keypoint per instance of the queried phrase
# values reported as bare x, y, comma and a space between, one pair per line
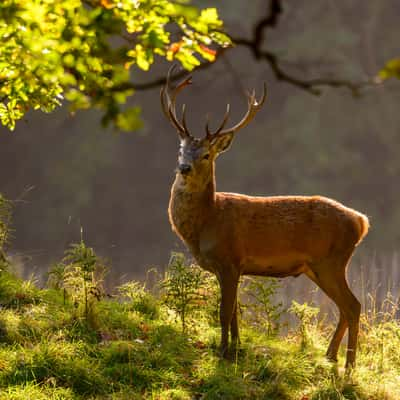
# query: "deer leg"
334, 344
235, 327
333, 282
353, 318
333, 348
228, 286
350, 307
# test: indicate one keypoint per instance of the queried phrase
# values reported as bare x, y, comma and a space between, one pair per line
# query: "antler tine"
164, 93
180, 86
208, 132
224, 120
168, 103
253, 107
184, 118
169, 112
164, 106
172, 108
264, 96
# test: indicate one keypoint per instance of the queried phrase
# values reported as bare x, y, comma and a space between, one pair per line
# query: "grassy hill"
70, 342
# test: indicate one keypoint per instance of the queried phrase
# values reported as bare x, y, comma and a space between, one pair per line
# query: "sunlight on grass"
32, 391
130, 350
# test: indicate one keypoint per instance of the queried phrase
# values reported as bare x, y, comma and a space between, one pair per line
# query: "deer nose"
184, 168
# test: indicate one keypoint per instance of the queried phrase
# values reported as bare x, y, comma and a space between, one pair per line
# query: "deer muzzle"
184, 169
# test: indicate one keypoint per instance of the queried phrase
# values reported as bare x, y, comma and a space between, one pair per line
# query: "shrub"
307, 315
80, 274
181, 287
211, 294
139, 299
262, 292
15, 292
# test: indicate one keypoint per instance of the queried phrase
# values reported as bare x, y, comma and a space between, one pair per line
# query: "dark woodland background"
66, 172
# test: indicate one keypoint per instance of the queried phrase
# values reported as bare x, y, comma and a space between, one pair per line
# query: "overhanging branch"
254, 44
312, 86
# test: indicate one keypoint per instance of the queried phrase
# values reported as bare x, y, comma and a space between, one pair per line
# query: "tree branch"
310, 85
269, 21
254, 44
162, 80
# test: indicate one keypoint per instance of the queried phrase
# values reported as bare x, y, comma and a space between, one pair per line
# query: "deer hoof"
224, 353
332, 358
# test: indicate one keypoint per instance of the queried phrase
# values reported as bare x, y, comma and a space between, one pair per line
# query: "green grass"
49, 351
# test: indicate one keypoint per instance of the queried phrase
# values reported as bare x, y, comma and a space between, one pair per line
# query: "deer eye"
206, 156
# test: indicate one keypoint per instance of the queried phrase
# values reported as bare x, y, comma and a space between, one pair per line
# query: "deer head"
197, 155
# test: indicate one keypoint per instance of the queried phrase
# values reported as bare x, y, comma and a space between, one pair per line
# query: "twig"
254, 44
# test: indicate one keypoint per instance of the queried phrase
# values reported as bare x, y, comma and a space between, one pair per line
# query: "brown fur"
234, 234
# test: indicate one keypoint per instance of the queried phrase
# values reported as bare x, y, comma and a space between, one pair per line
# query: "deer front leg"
228, 284
235, 327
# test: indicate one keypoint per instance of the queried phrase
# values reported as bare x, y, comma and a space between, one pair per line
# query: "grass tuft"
134, 347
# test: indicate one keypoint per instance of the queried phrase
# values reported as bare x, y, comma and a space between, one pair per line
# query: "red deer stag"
233, 234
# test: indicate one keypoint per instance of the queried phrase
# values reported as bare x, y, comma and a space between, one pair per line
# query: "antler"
223, 123
169, 109
168, 104
253, 106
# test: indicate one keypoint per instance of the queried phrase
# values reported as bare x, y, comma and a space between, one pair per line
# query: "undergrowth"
69, 341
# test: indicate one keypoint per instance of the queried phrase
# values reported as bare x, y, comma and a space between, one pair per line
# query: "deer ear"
221, 143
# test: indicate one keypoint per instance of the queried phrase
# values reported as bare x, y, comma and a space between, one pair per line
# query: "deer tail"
363, 226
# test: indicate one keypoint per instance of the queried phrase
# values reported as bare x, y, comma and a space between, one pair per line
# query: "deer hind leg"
228, 314
353, 319
331, 279
333, 348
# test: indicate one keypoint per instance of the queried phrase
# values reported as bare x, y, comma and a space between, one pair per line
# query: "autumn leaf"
174, 47
208, 50
107, 4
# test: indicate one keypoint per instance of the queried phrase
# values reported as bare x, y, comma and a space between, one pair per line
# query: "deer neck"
190, 208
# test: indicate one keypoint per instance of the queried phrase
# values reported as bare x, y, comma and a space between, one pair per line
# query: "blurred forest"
66, 172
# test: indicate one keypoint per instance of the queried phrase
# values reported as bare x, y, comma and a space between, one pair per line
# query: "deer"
232, 234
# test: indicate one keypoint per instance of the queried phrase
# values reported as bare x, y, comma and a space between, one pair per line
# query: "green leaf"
391, 70
84, 51
129, 120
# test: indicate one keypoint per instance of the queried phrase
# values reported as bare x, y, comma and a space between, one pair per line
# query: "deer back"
289, 231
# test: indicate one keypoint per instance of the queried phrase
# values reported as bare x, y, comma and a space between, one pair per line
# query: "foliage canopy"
84, 50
